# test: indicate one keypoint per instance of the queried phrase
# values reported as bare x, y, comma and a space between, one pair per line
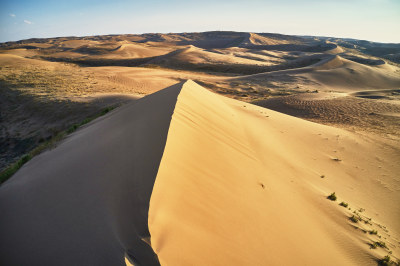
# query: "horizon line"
233, 31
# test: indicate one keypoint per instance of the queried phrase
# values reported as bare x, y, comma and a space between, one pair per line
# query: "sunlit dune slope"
194, 55
340, 74
241, 185
134, 50
253, 39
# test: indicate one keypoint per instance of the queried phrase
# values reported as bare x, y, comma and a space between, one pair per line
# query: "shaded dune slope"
86, 202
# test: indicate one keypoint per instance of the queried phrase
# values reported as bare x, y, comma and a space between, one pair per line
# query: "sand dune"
279, 207
340, 74
135, 50
77, 43
49, 75
12, 59
253, 39
336, 50
147, 80
331, 62
86, 202
23, 52
205, 180
202, 40
194, 55
94, 50
353, 75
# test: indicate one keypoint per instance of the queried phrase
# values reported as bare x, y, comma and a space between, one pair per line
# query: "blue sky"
374, 20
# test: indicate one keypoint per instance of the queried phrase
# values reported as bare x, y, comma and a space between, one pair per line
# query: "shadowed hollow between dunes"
234, 184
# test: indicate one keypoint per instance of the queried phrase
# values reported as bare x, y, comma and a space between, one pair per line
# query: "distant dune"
187, 177
340, 74
254, 39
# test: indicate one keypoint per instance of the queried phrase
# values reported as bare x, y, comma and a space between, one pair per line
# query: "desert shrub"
354, 219
332, 196
385, 261
9, 171
72, 128
106, 110
344, 204
380, 244
373, 232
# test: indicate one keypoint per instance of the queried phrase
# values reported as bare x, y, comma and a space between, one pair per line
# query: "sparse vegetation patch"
13, 168
386, 261
380, 244
373, 232
332, 196
354, 219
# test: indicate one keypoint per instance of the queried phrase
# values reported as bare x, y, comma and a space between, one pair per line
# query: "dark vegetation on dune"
47, 144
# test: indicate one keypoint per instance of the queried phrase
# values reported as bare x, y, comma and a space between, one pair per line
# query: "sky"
373, 20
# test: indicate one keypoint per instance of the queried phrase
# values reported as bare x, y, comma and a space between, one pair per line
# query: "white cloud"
28, 22
12, 15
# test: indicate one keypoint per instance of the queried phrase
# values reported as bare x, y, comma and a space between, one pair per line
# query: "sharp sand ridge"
199, 179
86, 201
241, 185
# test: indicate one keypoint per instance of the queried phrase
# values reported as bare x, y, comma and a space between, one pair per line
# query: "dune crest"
253, 39
331, 62
187, 177
240, 185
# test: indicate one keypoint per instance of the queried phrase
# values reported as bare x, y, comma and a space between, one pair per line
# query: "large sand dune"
338, 73
192, 55
86, 202
242, 185
200, 179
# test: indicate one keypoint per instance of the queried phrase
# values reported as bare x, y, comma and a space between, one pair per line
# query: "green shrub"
72, 128
380, 244
354, 219
106, 110
386, 261
332, 196
344, 204
373, 232
9, 171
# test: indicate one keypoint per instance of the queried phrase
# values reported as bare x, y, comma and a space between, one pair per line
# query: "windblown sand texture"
188, 177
